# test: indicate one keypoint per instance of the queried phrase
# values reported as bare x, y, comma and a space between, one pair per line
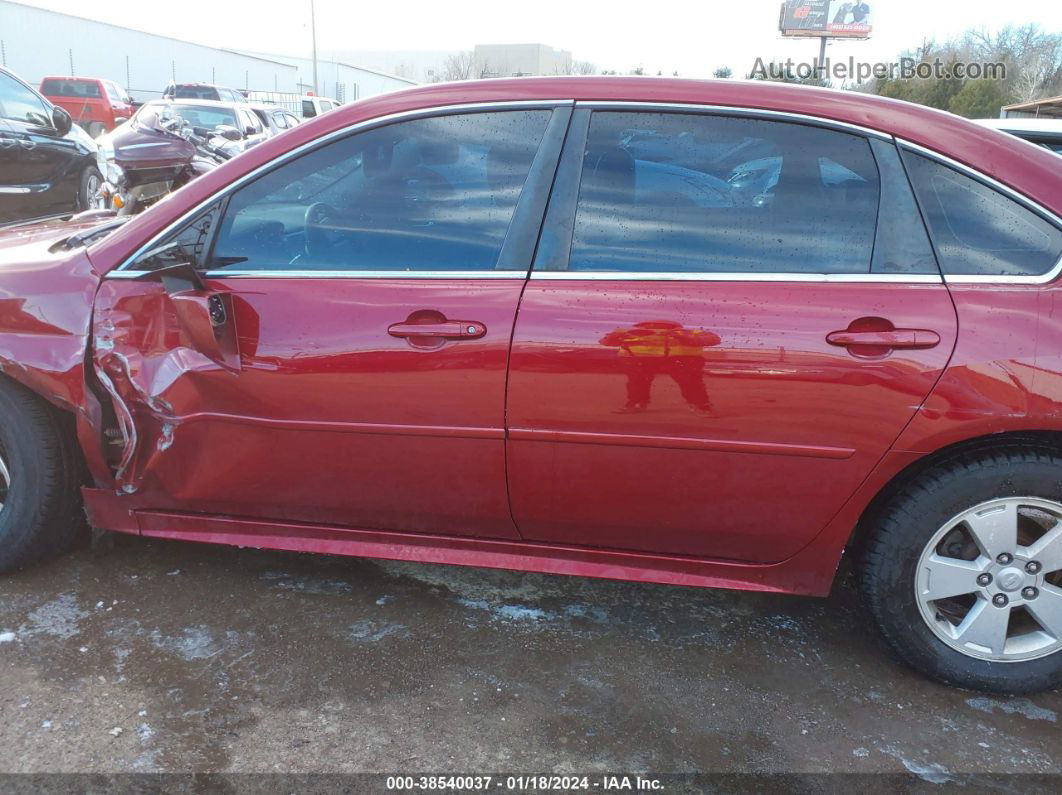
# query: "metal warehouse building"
145, 62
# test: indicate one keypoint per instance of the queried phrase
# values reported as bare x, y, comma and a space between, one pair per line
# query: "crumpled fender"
46, 301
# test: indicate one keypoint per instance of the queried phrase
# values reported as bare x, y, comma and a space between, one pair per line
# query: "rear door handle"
450, 330
897, 338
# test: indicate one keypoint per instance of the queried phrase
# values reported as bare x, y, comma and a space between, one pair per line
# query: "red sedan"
699, 333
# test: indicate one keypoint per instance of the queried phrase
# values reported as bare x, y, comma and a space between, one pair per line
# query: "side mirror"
228, 132
61, 120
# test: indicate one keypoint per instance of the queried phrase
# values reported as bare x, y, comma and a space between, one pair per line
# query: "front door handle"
449, 330
896, 338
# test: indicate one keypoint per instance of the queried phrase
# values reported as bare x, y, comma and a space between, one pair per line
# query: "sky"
693, 38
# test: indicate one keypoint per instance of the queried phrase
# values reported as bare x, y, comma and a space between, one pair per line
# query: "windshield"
160, 115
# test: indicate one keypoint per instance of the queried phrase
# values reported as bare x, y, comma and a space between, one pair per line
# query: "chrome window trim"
1006, 190
853, 278
338, 274
730, 110
434, 110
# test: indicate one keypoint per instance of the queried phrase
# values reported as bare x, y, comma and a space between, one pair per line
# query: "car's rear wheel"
40, 508
963, 571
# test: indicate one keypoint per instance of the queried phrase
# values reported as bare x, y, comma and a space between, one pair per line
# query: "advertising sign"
834, 18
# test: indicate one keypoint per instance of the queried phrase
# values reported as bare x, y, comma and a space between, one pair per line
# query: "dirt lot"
166, 657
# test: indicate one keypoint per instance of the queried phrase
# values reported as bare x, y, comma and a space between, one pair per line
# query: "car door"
251, 126
729, 321
352, 368
34, 158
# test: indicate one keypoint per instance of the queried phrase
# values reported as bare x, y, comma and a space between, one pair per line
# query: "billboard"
834, 18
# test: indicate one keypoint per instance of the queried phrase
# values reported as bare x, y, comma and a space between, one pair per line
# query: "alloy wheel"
989, 583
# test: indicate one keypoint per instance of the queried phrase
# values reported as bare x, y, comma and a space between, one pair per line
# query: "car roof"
75, 77
210, 103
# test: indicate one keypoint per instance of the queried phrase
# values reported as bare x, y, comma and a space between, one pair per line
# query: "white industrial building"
35, 42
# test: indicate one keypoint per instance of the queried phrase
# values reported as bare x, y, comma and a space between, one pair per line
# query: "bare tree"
578, 68
459, 66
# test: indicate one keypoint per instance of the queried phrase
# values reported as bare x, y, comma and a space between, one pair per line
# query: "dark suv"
47, 164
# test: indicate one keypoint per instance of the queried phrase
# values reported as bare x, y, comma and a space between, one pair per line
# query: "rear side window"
76, 89
196, 92
308, 110
669, 192
976, 229
422, 195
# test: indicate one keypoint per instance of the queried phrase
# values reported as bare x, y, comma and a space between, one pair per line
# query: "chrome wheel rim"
989, 582
5, 479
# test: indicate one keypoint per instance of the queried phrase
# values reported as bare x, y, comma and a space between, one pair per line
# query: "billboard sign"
835, 18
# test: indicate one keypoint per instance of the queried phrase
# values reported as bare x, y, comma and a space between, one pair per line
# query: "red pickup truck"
96, 105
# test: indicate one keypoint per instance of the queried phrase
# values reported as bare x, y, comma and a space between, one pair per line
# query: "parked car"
47, 164
202, 91
274, 118
96, 105
168, 143
314, 106
453, 325
1045, 132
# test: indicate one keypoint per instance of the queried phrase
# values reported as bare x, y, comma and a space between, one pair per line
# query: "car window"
901, 244
249, 120
672, 192
427, 194
19, 103
292, 120
76, 89
308, 110
207, 116
281, 120
976, 229
114, 92
196, 92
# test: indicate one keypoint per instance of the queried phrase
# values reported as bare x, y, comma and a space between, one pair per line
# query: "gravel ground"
166, 657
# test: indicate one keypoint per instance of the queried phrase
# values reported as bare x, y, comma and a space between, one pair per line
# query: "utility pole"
313, 34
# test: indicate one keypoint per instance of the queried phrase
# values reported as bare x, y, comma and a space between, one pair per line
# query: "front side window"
18, 103
249, 123
308, 110
671, 192
113, 92
976, 229
430, 194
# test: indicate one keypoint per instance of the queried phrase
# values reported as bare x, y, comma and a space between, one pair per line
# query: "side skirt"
109, 511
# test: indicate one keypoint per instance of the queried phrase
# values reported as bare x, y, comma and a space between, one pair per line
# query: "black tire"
96, 129
899, 533
87, 186
42, 511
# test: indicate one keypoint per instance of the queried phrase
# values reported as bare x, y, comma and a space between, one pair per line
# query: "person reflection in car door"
661, 347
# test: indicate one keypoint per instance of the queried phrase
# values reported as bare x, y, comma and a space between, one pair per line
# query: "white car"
1045, 132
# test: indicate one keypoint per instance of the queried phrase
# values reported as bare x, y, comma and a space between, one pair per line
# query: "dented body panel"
282, 413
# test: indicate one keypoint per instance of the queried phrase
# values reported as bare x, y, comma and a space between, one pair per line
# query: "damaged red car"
697, 333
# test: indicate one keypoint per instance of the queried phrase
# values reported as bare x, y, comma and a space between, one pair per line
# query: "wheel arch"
1048, 440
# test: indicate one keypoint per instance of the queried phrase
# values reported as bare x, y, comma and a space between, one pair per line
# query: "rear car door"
730, 320
352, 370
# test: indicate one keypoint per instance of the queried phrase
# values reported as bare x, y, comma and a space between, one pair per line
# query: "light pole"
313, 34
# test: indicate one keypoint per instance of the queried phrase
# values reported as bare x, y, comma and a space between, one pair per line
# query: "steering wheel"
320, 229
